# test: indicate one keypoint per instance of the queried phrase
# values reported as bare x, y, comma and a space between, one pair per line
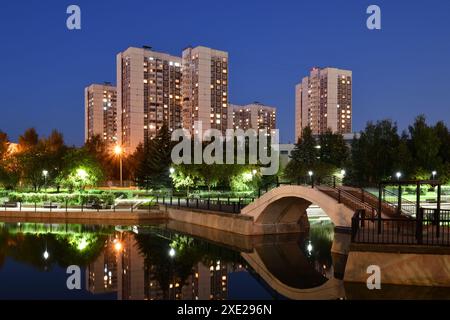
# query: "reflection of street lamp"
118, 151
46, 254
45, 174
309, 247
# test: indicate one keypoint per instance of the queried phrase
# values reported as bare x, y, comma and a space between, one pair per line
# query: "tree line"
421, 152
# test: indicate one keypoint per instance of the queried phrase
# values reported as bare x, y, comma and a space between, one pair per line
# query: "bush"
71, 198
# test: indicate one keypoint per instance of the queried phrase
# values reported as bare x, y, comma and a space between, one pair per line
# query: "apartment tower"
148, 95
205, 88
323, 101
100, 112
252, 116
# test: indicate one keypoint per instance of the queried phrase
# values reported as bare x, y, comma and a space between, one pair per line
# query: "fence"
431, 227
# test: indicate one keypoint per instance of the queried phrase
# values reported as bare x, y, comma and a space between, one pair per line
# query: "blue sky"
399, 72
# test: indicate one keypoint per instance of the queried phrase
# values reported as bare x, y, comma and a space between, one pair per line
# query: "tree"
374, 154
443, 135
4, 143
154, 160
304, 157
425, 145
29, 139
80, 169
333, 149
103, 153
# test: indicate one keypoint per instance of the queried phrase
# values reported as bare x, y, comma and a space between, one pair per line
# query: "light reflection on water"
156, 262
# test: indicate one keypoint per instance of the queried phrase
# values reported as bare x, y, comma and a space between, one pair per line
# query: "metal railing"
227, 205
431, 227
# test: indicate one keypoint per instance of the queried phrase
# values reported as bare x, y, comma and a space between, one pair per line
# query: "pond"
160, 261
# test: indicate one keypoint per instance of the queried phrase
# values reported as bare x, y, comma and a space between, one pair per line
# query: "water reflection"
164, 262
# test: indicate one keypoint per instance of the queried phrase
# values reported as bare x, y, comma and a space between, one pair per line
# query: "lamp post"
119, 151
398, 175
45, 174
434, 173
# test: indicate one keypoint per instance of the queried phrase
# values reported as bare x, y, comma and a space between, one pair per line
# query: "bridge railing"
431, 227
227, 205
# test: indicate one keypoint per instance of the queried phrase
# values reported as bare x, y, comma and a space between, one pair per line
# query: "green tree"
425, 145
154, 161
304, 157
374, 154
333, 149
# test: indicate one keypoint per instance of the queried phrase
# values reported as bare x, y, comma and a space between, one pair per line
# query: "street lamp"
434, 173
45, 174
398, 175
118, 152
343, 172
172, 252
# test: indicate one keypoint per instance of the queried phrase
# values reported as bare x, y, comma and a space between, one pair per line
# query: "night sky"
398, 72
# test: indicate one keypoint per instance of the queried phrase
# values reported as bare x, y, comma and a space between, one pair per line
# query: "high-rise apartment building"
100, 112
252, 116
323, 101
148, 95
205, 88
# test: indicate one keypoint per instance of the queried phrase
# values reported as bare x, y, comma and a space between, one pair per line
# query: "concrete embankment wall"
400, 265
235, 223
88, 217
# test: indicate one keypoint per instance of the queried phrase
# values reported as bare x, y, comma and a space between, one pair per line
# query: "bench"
50, 205
10, 204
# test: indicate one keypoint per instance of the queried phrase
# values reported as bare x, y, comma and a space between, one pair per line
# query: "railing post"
380, 194
339, 195
399, 200
334, 182
179, 204
196, 203
208, 203
259, 192
362, 195
438, 212
419, 226
312, 182
20, 205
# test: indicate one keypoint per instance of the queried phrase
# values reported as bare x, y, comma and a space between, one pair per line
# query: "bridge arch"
286, 205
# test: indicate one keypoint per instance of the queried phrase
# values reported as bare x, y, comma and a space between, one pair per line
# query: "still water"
161, 261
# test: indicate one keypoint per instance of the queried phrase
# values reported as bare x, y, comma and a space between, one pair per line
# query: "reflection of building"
126, 270
100, 112
323, 101
131, 284
101, 275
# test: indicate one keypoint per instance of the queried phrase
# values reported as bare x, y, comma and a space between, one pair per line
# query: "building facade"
252, 116
101, 112
205, 88
323, 101
148, 95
